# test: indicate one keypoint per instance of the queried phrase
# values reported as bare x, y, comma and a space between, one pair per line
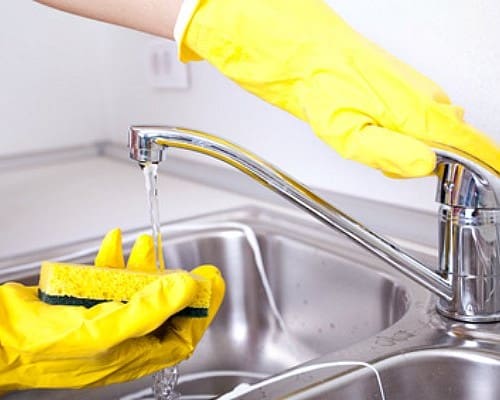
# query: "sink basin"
329, 293
444, 374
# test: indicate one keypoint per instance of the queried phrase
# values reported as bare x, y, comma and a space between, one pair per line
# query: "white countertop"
51, 205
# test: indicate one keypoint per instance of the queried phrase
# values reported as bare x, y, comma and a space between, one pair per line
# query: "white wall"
455, 42
53, 78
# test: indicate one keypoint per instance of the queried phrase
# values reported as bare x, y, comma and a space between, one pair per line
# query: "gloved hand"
300, 56
47, 346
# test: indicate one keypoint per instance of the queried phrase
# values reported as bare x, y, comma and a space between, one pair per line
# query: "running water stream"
164, 381
151, 179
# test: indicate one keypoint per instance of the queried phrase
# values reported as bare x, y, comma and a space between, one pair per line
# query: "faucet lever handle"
464, 181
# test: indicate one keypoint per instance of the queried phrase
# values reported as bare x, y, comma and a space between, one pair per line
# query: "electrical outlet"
164, 70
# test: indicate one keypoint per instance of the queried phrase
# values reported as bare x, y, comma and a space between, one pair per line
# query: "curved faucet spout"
147, 144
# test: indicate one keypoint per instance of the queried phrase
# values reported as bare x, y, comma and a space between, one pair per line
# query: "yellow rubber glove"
47, 346
300, 56
142, 256
110, 253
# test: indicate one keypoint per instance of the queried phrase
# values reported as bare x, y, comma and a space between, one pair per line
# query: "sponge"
108, 280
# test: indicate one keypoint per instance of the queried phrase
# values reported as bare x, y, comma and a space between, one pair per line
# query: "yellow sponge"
87, 285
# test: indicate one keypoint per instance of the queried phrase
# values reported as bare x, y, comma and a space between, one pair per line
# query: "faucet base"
445, 310
469, 260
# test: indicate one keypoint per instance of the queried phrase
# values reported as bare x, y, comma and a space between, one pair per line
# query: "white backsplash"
53, 78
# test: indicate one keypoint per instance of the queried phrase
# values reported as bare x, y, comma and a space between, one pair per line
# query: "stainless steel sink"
444, 374
426, 374
331, 295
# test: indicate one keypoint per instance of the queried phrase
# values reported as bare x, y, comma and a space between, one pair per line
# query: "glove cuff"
186, 13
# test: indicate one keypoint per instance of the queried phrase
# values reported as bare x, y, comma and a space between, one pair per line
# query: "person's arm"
359, 99
156, 17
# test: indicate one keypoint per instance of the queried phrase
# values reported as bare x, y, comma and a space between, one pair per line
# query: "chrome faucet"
467, 279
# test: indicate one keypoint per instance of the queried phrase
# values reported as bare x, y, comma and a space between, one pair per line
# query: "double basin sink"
307, 315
